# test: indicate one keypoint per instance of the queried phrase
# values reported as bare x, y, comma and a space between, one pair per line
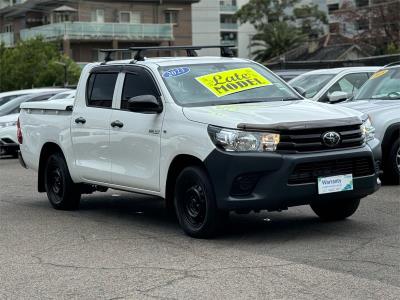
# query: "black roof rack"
226, 51
392, 64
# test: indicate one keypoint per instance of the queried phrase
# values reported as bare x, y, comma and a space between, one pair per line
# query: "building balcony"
229, 26
7, 39
100, 31
226, 8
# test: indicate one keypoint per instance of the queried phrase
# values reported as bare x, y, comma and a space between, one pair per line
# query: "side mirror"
338, 96
147, 104
300, 90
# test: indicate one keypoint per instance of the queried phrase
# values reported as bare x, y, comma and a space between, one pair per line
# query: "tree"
275, 39
376, 23
280, 25
34, 63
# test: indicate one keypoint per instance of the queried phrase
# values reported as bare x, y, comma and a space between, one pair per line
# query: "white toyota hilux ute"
209, 134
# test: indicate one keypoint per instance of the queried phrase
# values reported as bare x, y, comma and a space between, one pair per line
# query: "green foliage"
275, 39
34, 63
280, 25
392, 49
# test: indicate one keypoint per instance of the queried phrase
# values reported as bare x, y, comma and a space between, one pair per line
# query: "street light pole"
65, 72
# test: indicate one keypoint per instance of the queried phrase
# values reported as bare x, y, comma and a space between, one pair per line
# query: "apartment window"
362, 25
333, 7
130, 17
7, 28
97, 16
171, 16
362, 3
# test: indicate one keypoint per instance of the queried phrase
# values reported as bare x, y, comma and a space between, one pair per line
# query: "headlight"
243, 141
368, 130
8, 124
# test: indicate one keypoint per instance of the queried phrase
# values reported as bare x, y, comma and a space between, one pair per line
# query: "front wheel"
195, 204
391, 171
335, 210
61, 191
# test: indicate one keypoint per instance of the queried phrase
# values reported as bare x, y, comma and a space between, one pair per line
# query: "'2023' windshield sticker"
379, 74
232, 81
176, 72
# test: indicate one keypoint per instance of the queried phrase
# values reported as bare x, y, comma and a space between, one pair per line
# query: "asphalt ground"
125, 246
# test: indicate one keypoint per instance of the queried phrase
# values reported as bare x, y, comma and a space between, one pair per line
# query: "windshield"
383, 85
311, 83
224, 83
5, 99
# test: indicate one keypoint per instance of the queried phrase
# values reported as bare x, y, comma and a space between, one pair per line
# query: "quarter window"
137, 84
100, 89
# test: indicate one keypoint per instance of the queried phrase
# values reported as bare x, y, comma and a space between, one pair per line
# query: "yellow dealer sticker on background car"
232, 81
379, 74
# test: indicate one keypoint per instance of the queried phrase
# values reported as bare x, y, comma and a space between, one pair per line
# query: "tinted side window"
100, 89
137, 84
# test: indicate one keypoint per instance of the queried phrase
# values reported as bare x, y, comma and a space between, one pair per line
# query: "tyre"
195, 204
391, 168
61, 191
335, 210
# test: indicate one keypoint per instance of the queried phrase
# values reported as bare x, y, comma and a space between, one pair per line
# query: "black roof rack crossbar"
226, 50
395, 63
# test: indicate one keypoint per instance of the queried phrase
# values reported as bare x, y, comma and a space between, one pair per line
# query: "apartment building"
83, 27
213, 22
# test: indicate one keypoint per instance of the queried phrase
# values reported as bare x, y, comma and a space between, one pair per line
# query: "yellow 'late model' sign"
232, 81
379, 74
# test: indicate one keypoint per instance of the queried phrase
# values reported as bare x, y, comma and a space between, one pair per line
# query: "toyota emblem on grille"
331, 139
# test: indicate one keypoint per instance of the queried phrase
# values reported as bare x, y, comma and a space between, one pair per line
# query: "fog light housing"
243, 185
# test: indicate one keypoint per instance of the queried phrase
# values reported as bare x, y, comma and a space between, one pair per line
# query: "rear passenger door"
135, 144
90, 125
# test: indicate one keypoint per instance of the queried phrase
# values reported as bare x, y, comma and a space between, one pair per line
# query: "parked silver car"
332, 85
380, 99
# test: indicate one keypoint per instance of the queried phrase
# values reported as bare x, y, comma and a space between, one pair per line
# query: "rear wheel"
391, 171
335, 210
195, 204
61, 191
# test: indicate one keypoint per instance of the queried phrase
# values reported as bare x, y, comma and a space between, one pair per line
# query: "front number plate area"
334, 184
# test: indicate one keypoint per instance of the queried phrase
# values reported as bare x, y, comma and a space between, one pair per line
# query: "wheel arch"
48, 149
179, 162
391, 134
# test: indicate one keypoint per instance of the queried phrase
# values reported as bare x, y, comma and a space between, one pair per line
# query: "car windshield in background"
5, 99
383, 85
224, 83
311, 83
63, 95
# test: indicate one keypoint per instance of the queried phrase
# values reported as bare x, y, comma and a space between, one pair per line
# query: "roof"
341, 70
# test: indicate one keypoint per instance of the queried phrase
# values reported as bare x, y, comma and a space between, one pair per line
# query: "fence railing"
100, 31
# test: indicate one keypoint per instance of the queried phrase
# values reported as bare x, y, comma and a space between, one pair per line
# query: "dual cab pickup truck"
211, 135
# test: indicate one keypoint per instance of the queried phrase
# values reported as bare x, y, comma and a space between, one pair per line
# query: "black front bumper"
271, 173
8, 147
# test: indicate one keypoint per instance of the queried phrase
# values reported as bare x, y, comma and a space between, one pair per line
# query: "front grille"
308, 140
309, 172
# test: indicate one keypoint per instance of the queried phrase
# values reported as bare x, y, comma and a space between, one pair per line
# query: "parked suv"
380, 99
332, 85
209, 134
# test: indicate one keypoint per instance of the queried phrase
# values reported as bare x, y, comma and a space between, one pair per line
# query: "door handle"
117, 123
80, 120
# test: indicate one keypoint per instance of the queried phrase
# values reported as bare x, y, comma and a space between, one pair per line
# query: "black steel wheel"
61, 191
391, 167
195, 204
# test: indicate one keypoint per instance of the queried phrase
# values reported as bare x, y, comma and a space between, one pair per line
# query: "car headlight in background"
368, 130
8, 124
243, 141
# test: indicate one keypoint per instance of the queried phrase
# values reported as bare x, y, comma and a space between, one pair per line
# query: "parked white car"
332, 85
209, 134
7, 96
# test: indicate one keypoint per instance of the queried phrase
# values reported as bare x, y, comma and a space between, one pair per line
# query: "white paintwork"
339, 74
9, 132
132, 158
